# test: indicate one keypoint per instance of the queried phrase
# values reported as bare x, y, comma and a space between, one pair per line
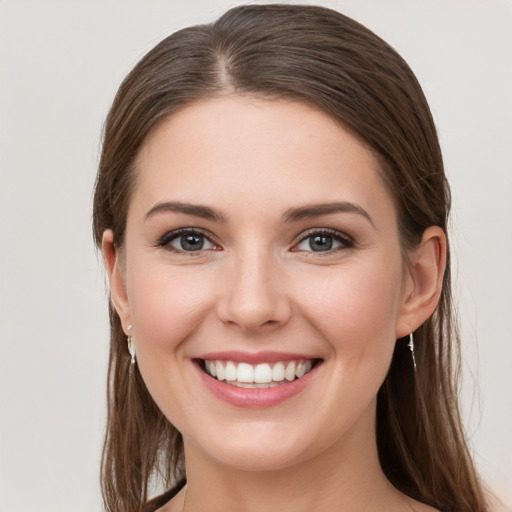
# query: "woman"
272, 209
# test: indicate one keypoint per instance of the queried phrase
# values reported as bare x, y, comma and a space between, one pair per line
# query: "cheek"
355, 313
167, 305
355, 308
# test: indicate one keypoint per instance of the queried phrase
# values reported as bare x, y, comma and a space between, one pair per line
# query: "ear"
423, 281
115, 272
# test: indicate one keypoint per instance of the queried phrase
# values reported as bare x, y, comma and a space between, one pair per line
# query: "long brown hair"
314, 55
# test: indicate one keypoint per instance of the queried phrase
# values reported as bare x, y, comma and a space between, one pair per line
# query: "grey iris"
192, 242
320, 243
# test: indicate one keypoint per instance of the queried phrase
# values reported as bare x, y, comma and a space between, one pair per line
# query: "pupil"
192, 242
320, 243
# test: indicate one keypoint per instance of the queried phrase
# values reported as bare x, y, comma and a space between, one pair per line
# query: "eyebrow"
317, 210
205, 212
291, 215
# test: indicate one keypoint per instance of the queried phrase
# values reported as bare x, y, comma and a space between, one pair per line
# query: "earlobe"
114, 268
427, 265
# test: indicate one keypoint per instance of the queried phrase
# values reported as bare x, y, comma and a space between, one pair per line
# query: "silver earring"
411, 346
131, 348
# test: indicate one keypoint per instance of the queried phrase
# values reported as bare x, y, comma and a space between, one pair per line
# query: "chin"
262, 447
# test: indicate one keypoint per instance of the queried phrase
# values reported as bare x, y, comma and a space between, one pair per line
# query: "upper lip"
254, 357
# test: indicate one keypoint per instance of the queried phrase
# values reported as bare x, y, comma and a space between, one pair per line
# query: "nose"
253, 294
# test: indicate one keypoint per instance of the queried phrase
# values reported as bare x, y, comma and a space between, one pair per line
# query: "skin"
258, 285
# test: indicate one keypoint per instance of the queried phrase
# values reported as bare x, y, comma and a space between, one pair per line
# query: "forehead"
258, 153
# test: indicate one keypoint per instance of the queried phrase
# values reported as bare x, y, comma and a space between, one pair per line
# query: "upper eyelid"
334, 232
171, 235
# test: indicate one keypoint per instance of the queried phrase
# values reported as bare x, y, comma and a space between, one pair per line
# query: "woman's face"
260, 239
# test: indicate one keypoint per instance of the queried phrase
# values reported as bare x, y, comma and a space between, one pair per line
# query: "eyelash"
165, 241
346, 241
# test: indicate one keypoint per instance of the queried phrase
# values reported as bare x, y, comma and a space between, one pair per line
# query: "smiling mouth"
263, 375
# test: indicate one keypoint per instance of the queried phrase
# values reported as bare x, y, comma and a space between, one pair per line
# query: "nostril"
252, 302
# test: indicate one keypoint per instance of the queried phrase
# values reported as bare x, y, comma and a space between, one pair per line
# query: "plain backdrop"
60, 65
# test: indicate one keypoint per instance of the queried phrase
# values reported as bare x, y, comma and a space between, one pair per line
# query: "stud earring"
411, 347
131, 345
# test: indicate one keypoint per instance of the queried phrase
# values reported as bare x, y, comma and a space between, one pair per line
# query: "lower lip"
256, 397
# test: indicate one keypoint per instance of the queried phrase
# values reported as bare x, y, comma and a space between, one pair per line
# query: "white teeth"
245, 373
289, 373
262, 375
252, 385
246, 385
230, 372
220, 371
278, 372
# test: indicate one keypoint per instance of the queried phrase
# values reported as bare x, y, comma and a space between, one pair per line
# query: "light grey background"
60, 64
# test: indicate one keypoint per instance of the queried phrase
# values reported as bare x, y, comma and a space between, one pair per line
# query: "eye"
324, 241
187, 240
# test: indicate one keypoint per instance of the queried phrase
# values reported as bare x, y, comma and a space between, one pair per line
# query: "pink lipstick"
260, 379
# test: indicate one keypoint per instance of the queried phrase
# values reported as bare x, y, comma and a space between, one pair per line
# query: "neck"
346, 476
